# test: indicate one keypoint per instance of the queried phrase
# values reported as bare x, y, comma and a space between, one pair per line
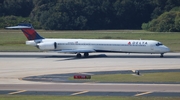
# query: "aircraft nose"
166, 49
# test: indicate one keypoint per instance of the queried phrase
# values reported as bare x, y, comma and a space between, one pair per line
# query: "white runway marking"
144, 93
79, 93
17, 92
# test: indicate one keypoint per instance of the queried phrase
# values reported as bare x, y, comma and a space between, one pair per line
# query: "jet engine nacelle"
47, 46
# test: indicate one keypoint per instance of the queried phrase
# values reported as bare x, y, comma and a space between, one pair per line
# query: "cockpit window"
159, 44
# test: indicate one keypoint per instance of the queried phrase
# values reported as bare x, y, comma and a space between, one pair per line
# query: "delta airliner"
86, 46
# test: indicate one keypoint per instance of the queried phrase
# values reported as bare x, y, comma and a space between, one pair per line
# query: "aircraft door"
152, 47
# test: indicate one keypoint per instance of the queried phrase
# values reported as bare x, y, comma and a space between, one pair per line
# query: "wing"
76, 51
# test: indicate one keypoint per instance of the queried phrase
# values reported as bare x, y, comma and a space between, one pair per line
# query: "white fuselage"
102, 45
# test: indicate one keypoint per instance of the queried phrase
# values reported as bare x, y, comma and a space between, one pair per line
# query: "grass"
8, 97
160, 77
146, 77
14, 40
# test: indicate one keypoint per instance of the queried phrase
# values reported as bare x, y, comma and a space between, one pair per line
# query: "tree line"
152, 15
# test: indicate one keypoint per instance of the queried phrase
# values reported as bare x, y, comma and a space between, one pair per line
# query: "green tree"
12, 20
161, 6
166, 22
177, 22
93, 14
18, 7
132, 13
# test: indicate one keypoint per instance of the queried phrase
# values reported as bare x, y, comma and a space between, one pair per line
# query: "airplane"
86, 46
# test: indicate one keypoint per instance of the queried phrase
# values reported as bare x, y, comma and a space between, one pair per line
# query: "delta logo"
137, 43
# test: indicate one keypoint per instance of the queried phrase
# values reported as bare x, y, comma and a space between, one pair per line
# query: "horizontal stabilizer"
18, 27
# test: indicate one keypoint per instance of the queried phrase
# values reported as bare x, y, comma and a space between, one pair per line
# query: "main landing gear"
86, 54
162, 55
78, 55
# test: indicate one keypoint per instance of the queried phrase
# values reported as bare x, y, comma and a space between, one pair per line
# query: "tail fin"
28, 31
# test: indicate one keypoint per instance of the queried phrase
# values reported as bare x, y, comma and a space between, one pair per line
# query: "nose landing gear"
162, 55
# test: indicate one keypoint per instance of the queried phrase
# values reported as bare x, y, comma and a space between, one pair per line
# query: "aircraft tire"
78, 55
86, 54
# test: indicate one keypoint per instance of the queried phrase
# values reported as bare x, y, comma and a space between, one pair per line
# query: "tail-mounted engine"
47, 46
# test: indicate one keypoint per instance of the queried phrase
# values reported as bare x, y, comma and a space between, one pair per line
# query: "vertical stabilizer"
28, 31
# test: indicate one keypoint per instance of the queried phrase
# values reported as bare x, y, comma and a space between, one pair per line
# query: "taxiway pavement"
16, 65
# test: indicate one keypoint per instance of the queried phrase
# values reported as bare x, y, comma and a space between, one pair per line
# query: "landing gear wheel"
78, 55
162, 55
86, 54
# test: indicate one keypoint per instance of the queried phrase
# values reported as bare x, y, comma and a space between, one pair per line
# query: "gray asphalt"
59, 93
89, 89
95, 87
15, 66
